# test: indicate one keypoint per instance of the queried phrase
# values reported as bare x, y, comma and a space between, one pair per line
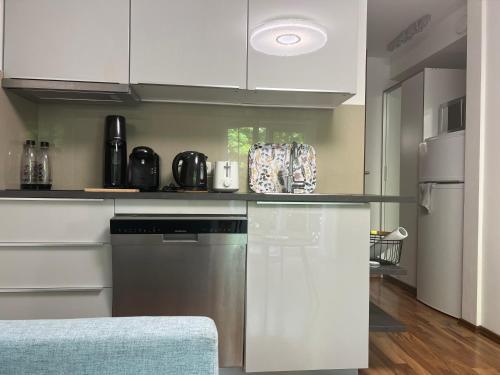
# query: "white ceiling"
387, 18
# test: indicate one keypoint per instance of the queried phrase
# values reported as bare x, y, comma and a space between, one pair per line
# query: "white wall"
406, 60
490, 309
481, 271
474, 162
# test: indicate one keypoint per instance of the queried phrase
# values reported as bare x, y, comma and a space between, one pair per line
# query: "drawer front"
180, 207
55, 304
55, 220
56, 265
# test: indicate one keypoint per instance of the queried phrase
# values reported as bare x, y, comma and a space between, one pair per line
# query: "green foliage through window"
239, 140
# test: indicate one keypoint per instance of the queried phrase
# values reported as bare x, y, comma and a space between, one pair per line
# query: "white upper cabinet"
283, 26
285, 53
70, 40
189, 42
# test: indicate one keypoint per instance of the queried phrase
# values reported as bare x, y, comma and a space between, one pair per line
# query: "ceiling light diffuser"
288, 37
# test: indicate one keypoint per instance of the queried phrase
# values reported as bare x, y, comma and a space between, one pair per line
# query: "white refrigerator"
440, 223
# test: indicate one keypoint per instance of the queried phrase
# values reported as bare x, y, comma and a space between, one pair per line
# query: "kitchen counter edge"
80, 194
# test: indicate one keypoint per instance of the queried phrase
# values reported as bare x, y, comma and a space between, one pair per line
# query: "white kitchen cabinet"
54, 265
55, 303
55, 258
189, 42
71, 40
332, 68
67, 221
179, 207
307, 286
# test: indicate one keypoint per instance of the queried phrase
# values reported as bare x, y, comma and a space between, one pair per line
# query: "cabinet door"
411, 135
54, 265
178, 207
72, 40
332, 68
55, 303
189, 42
59, 221
307, 287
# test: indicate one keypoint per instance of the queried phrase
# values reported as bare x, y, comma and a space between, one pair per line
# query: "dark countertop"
80, 194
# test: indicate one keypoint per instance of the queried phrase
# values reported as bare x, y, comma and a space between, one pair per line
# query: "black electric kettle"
190, 170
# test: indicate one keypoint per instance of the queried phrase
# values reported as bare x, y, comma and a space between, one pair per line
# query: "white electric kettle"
226, 176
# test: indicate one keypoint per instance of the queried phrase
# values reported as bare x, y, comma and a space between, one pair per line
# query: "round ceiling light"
288, 37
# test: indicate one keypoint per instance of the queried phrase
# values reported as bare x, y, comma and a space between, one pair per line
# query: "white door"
71, 40
332, 68
307, 287
439, 282
412, 114
391, 155
189, 42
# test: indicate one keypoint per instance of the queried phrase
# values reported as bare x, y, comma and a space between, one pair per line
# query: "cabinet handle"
53, 199
274, 203
201, 86
318, 91
51, 244
56, 289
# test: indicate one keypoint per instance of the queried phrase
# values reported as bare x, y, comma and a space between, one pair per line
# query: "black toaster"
144, 169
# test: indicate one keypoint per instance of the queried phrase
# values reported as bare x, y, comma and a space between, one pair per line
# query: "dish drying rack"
385, 252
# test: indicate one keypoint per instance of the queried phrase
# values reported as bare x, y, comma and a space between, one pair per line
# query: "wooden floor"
434, 343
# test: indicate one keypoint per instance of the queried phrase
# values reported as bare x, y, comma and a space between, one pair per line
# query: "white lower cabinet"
55, 265
55, 220
55, 303
55, 258
307, 287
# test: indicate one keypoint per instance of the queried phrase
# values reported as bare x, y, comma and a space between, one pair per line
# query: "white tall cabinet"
189, 42
411, 132
333, 68
70, 40
307, 286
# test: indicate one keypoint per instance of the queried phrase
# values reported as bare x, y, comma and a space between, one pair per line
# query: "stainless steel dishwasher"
183, 265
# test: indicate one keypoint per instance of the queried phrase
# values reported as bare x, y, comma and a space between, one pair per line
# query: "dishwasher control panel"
177, 225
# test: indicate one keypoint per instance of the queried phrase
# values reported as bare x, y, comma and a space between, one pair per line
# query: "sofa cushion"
109, 346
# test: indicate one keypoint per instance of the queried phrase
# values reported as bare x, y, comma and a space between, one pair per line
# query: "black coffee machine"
115, 153
190, 170
144, 169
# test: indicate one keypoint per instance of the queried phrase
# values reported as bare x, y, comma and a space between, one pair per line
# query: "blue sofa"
109, 346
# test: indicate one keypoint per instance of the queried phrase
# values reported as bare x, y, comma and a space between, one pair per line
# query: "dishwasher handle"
180, 237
